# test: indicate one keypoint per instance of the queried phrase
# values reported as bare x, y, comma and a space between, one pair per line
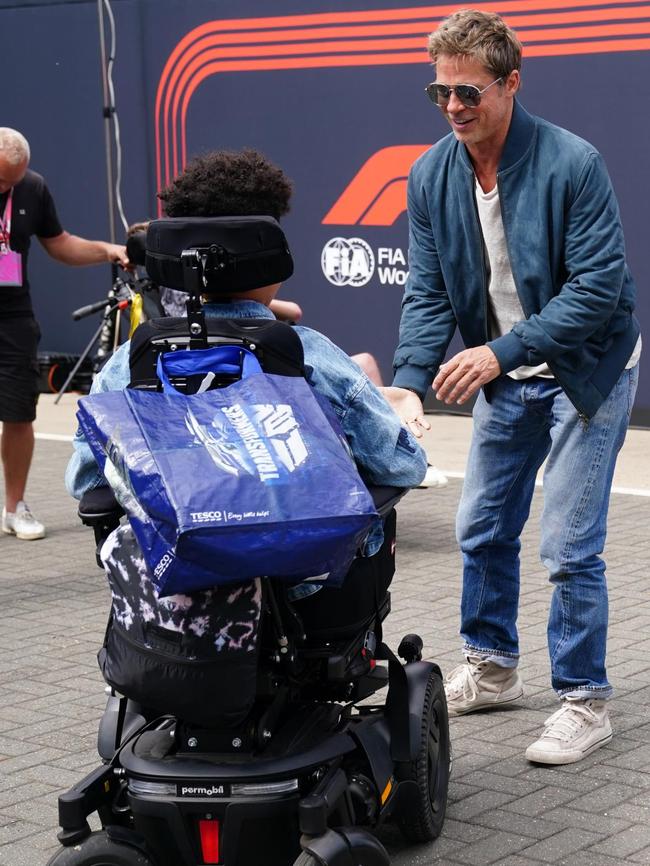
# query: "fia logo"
348, 262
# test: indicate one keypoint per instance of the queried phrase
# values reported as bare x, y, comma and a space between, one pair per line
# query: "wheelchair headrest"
136, 247
217, 254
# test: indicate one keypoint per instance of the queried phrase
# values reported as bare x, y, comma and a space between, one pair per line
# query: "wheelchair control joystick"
410, 648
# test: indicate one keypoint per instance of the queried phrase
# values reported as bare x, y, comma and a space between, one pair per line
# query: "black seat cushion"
99, 502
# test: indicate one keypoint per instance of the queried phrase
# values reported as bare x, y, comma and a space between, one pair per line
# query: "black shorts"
19, 372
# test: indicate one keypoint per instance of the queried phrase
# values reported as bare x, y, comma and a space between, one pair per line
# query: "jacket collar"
520, 136
238, 309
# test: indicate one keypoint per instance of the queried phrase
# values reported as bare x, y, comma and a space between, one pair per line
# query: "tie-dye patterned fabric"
193, 656
216, 620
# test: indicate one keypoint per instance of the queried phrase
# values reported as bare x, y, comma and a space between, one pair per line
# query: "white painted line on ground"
631, 491
627, 491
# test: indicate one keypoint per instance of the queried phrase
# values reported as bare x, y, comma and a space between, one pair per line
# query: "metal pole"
107, 112
108, 115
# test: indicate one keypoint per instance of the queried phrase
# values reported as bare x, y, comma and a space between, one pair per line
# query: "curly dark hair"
228, 183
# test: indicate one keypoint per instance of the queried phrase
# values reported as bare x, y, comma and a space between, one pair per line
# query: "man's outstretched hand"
465, 373
408, 407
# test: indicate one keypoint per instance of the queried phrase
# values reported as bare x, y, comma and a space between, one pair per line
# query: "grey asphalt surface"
502, 810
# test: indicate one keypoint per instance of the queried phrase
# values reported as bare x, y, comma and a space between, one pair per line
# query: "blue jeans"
525, 422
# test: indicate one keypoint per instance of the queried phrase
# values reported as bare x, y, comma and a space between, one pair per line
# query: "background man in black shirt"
27, 209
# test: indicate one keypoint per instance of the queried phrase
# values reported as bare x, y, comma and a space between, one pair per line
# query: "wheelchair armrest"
99, 506
385, 498
100, 509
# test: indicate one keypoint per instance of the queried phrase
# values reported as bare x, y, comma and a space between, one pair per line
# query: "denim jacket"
384, 451
566, 249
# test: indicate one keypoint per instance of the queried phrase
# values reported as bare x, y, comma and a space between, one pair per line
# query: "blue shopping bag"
249, 480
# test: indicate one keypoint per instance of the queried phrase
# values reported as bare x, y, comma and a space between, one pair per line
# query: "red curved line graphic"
552, 33
390, 204
320, 62
206, 45
166, 88
187, 83
391, 59
192, 73
177, 83
611, 45
576, 17
367, 185
404, 14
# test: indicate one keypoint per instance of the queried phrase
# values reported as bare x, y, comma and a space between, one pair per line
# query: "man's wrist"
417, 393
410, 377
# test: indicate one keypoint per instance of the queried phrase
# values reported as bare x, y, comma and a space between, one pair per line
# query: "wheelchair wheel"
431, 768
98, 850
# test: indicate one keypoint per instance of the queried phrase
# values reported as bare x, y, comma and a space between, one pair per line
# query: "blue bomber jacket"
567, 254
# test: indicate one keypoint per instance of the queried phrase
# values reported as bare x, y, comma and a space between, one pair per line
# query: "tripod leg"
82, 358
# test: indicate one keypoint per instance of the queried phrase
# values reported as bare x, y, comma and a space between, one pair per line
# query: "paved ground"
53, 606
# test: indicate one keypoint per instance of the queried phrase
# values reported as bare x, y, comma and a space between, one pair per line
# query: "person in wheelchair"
224, 183
233, 727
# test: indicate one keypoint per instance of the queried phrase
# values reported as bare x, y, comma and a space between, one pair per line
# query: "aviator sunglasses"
468, 94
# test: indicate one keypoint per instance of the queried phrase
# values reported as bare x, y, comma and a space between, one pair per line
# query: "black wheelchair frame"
309, 777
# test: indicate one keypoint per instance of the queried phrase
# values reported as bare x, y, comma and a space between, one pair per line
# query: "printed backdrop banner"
335, 95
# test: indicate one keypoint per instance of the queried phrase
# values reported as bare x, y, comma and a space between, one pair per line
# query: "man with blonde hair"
27, 209
515, 238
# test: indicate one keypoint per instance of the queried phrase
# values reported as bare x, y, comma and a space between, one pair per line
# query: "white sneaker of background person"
433, 478
480, 684
579, 727
22, 523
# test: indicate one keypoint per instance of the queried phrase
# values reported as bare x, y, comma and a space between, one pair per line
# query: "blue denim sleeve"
82, 472
385, 452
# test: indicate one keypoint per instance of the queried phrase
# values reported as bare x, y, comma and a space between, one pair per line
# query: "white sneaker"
480, 685
578, 728
433, 478
22, 523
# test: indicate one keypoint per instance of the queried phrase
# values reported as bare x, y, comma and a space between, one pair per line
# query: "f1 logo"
376, 196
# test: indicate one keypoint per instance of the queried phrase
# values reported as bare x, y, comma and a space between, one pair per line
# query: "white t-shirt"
505, 309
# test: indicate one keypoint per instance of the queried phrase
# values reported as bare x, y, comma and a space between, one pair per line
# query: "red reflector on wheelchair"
209, 831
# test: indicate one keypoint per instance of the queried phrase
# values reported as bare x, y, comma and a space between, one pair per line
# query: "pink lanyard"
5, 222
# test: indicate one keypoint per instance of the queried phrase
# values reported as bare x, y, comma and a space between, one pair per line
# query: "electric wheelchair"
288, 761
